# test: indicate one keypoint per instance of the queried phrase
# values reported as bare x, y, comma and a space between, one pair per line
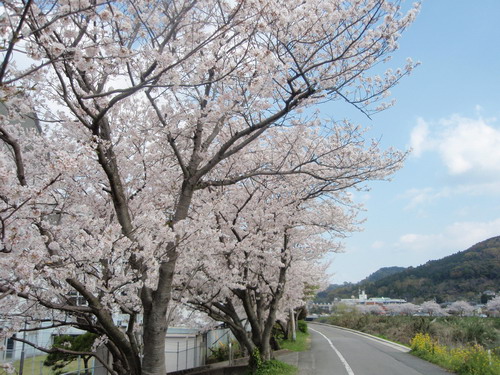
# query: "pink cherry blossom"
154, 148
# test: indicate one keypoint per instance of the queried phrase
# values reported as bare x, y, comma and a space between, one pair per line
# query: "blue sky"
447, 196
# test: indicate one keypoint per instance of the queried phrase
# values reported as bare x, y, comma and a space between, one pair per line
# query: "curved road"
336, 351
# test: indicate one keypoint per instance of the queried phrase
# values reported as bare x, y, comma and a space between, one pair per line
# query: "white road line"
341, 357
391, 344
399, 347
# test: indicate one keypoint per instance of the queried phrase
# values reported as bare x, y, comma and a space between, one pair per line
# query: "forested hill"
382, 273
464, 275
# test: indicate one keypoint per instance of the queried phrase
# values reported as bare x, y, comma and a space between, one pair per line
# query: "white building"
364, 300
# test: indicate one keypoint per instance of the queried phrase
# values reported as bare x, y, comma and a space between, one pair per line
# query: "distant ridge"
463, 275
382, 273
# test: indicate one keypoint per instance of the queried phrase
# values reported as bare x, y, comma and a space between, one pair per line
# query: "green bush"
496, 322
81, 343
349, 318
221, 352
478, 361
423, 324
473, 331
302, 326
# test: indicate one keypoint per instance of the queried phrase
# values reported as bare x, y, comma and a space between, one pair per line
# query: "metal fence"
182, 351
185, 353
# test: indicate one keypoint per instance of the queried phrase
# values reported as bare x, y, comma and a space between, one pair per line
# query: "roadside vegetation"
272, 367
275, 367
301, 343
223, 351
34, 365
466, 360
464, 345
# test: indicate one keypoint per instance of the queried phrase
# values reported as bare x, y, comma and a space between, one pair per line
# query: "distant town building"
361, 300
364, 300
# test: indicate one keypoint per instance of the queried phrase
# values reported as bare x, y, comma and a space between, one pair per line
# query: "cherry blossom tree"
460, 308
432, 308
402, 308
272, 241
493, 306
370, 309
148, 108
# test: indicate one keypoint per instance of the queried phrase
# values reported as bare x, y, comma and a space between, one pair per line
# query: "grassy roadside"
275, 367
463, 345
301, 344
34, 365
451, 331
469, 360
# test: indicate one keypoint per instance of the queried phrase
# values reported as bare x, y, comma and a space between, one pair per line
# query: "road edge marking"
394, 345
341, 357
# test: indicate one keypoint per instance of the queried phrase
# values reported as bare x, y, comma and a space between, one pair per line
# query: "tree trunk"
284, 327
156, 302
155, 327
261, 352
86, 364
155, 319
243, 339
265, 348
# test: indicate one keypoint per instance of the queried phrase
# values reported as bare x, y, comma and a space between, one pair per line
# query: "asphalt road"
336, 351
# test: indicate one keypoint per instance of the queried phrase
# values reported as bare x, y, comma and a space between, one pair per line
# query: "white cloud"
419, 197
456, 237
419, 137
464, 144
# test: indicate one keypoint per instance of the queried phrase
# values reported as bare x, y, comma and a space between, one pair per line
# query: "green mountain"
382, 273
464, 275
